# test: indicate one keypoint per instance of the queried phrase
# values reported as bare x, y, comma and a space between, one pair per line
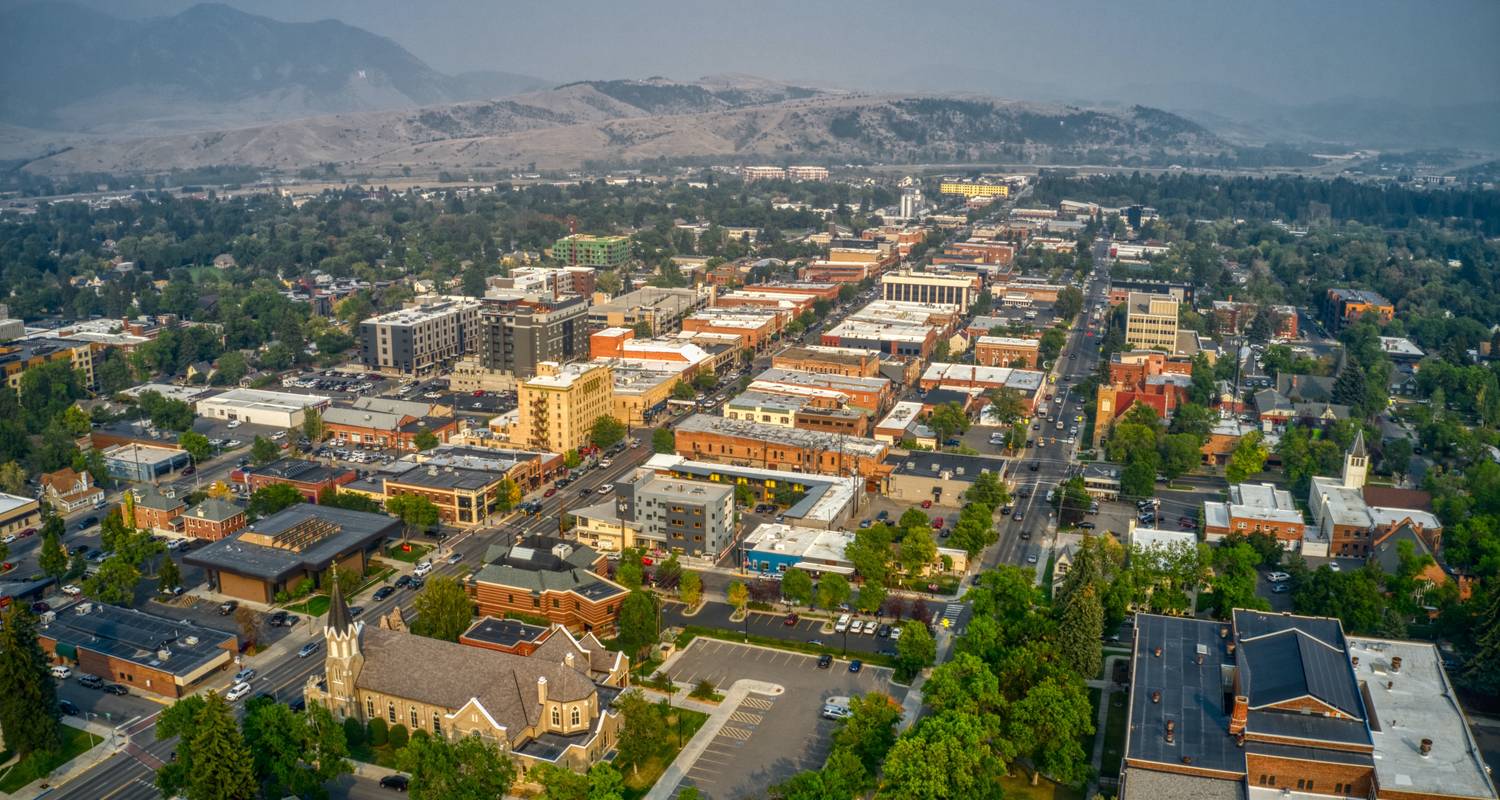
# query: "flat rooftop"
505, 632
1192, 695
828, 496
141, 638
791, 437
1420, 704
262, 399
11, 502
848, 356
825, 380
424, 313
351, 530
566, 375
435, 476
813, 545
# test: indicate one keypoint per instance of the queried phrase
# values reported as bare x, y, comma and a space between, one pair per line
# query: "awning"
67, 651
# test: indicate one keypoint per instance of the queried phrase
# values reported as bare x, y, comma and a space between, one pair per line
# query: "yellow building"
972, 188
557, 408
1151, 321
18, 357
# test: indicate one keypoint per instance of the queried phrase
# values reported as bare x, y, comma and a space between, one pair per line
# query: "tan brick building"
1007, 351
213, 520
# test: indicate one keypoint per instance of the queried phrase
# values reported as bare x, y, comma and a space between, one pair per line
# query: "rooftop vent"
1395, 663
1426, 748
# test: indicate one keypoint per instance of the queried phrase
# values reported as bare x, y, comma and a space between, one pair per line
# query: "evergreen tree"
1078, 632
1482, 673
1349, 387
222, 765
52, 557
28, 697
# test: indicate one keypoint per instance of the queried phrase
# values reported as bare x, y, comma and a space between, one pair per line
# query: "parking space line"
742, 734
746, 716
758, 702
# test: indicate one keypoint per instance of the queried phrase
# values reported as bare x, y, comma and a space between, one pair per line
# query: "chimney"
1223, 631
1395, 663
541, 689
1426, 748
1356, 661
568, 659
1239, 715
1171, 730
1157, 651
1156, 696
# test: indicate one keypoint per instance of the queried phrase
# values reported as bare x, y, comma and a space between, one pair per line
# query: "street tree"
663, 441
196, 445
797, 587
1248, 458
949, 756
443, 609
1138, 479
870, 730
738, 596
168, 577
606, 432
115, 581
28, 695
915, 651
294, 753
833, 591
312, 426
690, 588
264, 451
638, 629
1179, 454
268, 500
415, 512
52, 556
222, 765
465, 768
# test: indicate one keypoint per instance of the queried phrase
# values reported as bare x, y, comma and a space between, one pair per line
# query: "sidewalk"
678, 769
83, 763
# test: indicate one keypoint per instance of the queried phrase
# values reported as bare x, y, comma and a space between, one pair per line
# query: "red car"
937, 522
791, 619
551, 490
479, 393
927, 504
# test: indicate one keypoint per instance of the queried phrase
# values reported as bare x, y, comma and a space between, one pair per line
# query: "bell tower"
345, 656
1356, 463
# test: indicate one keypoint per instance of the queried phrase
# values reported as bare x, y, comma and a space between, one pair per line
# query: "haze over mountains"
86, 91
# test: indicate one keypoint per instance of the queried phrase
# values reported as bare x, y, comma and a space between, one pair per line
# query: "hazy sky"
1297, 51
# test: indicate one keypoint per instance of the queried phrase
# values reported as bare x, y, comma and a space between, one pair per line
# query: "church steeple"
1356, 463
338, 611
345, 656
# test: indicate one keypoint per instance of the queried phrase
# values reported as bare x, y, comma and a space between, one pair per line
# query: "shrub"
397, 736
282, 597
354, 733
704, 689
377, 732
420, 734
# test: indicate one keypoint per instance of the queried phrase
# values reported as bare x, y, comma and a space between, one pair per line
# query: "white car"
10, 537
233, 443
895, 633
1278, 577
606, 463
237, 691
842, 625
423, 567
234, 423
71, 590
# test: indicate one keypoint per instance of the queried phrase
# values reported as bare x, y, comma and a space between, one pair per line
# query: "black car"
82, 548
856, 665
1035, 466
89, 523
115, 688
884, 632
403, 581
67, 707
278, 619
384, 592
1088, 526
91, 681
825, 661
355, 611
397, 783
1005, 510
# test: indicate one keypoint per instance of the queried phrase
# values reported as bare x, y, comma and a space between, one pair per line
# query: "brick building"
753, 444
307, 477
212, 520
852, 362
1007, 351
165, 657
549, 578
1255, 508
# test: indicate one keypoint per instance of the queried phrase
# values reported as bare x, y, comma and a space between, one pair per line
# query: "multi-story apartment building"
1255, 508
660, 309
762, 173
583, 250
1007, 351
1151, 321
930, 287
1348, 305
693, 518
972, 187
557, 407
827, 390
421, 340
753, 444
1275, 705
807, 173
516, 335
19, 356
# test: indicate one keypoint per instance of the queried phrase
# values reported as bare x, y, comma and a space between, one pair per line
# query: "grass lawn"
1114, 735
692, 631
638, 783
314, 606
384, 755
417, 552
75, 742
1018, 787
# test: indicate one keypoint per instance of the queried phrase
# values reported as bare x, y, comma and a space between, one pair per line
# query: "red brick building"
212, 520
307, 477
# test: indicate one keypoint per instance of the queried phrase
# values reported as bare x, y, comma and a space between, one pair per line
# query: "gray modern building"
420, 340
689, 517
515, 335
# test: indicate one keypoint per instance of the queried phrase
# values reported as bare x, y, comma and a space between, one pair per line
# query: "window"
437, 724
415, 720
390, 713
556, 717
369, 708
575, 717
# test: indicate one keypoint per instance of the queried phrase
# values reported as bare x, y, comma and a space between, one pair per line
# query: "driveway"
769, 739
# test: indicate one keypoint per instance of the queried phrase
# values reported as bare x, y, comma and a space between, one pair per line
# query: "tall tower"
1356, 463
345, 656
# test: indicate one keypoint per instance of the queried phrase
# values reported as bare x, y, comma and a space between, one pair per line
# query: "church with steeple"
552, 704
1351, 518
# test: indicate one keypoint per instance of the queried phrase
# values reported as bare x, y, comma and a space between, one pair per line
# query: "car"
237, 691
1088, 526
422, 568
90, 681
606, 489
896, 631
1006, 510
41, 607
384, 592
71, 590
1281, 588
927, 504
1016, 516
455, 558
355, 611
417, 583
67, 707
551, 490
297, 704
403, 582
937, 522
234, 423
244, 675
884, 631
856, 665
1031, 559
791, 619
307, 649
227, 607
606, 463
825, 661
397, 783
864, 523
1278, 577
842, 625
883, 516
1034, 467
10, 538
116, 689
1334, 565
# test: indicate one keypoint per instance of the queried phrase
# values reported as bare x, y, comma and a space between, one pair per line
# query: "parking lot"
768, 739
807, 629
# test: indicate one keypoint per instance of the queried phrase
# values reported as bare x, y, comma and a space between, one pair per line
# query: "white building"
260, 407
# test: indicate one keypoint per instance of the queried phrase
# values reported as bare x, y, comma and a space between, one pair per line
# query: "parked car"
116, 689
246, 674
1278, 577
396, 783
227, 607
67, 707
90, 681
355, 611
1088, 526
403, 582
856, 665
278, 619
41, 607
71, 590
237, 691
937, 523
384, 592
551, 490
883, 632
1281, 588
422, 568
842, 624
791, 619
896, 631
825, 661
307, 649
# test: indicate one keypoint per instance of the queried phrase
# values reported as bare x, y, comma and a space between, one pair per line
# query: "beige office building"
559, 406
930, 287
1151, 321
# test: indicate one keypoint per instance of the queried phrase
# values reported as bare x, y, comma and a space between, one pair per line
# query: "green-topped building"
583, 250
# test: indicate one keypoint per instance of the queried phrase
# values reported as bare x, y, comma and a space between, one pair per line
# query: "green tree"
663, 441
1248, 458
1069, 302
571, 459
948, 420
915, 651
268, 500
312, 425
222, 766
833, 591
466, 768
415, 512
738, 596
1179, 454
1079, 628
1481, 673
606, 432
682, 391
114, 582
331, 496
294, 753
1349, 387
28, 697
559, 783
196, 445
264, 451
1138, 479
231, 368
13, 478
425, 440
1194, 419
917, 550
443, 609
797, 587
168, 577
179, 720
52, 556
690, 588
643, 730
1048, 724
945, 757
638, 629
1235, 562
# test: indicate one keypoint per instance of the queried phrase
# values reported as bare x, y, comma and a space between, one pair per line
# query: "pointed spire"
339, 620
1358, 450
